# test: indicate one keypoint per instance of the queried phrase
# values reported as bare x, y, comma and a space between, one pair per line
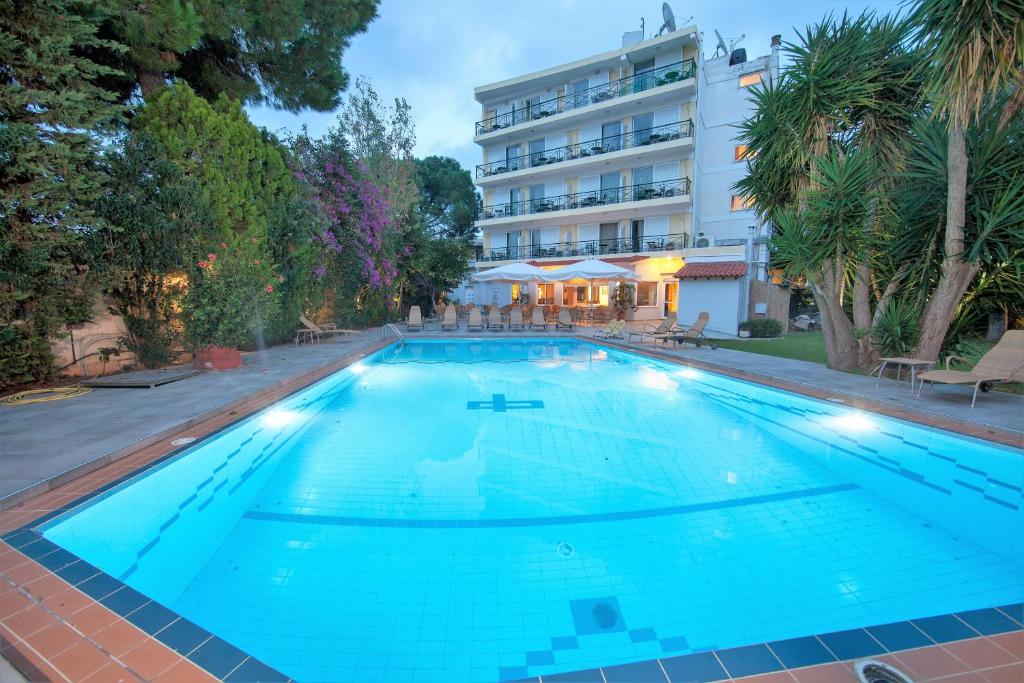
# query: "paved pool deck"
59, 439
45, 444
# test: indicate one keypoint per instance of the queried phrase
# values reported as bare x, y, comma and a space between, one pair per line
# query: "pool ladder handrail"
393, 328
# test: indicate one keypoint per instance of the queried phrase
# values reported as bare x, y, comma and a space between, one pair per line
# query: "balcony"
587, 248
661, 189
671, 73
589, 148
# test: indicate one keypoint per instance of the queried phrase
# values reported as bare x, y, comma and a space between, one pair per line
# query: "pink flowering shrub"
230, 296
359, 218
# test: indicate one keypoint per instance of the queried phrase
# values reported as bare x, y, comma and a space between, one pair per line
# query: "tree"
448, 198
447, 210
286, 54
249, 189
977, 52
154, 223
825, 142
52, 112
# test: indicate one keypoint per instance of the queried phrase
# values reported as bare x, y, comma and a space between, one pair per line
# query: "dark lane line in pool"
335, 520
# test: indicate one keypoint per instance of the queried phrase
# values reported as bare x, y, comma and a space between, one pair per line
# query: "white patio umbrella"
592, 270
511, 272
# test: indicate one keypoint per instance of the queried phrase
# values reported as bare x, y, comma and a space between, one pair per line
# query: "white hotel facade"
627, 156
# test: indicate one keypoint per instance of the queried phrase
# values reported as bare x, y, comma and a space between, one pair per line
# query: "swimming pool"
488, 510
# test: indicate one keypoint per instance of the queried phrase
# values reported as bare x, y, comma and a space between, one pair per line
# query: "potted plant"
230, 294
625, 300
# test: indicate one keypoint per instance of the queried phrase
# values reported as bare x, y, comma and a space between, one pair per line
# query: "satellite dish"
670, 19
721, 44
726, 49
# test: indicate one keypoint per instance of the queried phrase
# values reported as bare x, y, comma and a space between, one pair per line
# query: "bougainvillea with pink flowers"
360, 226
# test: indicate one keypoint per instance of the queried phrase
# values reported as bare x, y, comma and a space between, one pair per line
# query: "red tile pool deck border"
52, 630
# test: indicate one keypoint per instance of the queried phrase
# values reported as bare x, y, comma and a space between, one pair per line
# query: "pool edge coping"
239, 411
260, 400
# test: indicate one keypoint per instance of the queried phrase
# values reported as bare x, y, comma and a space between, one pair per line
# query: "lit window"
646, 293
747, 80
545, 294
741, 152
741, 202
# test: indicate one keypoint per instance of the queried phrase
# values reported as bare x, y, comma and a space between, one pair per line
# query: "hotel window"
646, 293
536, 197
642, 126
536, 151
741, 152
512, 157
611, 139
545, 294
747, 80
741, 202
579, 89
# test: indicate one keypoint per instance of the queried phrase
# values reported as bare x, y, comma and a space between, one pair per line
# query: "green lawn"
797, 345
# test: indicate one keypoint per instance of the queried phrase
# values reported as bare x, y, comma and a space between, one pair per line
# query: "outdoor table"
899, 362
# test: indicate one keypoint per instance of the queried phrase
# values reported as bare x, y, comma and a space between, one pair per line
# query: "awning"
712, 269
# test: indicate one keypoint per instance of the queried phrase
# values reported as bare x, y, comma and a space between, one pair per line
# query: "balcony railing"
636, 138
586, 248
591, 198
663, 75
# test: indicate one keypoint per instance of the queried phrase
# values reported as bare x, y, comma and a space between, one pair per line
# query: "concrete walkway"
40, 441
993, 409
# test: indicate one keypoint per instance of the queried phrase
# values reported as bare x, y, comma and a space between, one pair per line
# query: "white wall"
719, 297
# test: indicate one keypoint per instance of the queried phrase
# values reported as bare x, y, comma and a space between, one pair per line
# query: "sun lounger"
415, 322
537, 319
450, 320
1004, 362
654, 331
613, 331
564, 320
476, 322
312, 332
494, 319
694, 333
515, 320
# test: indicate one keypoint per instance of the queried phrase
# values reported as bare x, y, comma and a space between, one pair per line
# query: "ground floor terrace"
58, 623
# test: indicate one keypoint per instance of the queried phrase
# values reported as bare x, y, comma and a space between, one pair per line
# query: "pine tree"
51, 114
286, 54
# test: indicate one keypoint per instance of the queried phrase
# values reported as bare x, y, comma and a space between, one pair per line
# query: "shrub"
896, 330
762, 327
231, 297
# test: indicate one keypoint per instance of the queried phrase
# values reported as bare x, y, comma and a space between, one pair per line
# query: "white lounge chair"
564, 320
476, 322
515, 318
450, 320
613, 331
415, 322
312, 332
537, 319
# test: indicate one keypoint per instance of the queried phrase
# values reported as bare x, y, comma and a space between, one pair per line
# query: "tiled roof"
691, 271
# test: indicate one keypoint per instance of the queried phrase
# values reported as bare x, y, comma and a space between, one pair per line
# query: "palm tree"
826, 142
977, 52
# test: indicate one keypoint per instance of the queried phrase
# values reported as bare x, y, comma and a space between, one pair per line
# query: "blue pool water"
488, 510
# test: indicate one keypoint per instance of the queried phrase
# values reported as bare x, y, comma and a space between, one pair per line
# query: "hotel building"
627, 156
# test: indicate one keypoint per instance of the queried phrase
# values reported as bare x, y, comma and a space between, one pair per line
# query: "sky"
434, 52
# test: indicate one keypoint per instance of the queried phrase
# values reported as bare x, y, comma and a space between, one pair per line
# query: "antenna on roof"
670, 19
